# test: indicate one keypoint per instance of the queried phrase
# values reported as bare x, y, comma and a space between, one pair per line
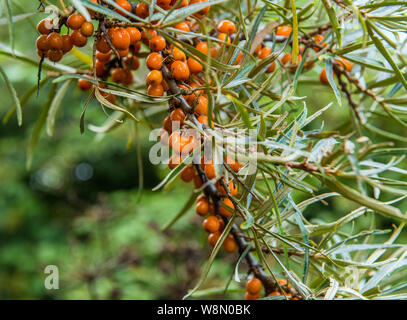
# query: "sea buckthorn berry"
180, 70
123, 53
188, 173
198, 183
202, 47
213, 238
194, 66
271, 67
132, 62
210, 170
167, 125
203, 11
157, 43
227, 26
202, 207
231, 186
183, 26
148, 34
323, 76
214, 51
183, 4
164, 4
224, 37
227, 208
55, 55
165, 85
344, 63
182, 143
121, 39
202, 106
67, 43
239, 58
128, 79
142, 10
211, 224
45, 26
284, 31
204, 120
104, 57
253, 286
178, 116
249, 296
154, 61
257, 50
124, 4
282, 282
319, 39
233, 164
118, 75
87, 29
155, 90
275, 293
100, 68
84, 85
154, 77
178, 54
230, 245
102, 45
135, 35
78, 39
75, 21
54, 40
221, 225
42, 43
174, 161
264, 53
41, 53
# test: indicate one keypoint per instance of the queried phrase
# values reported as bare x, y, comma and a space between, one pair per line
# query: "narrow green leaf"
14, 96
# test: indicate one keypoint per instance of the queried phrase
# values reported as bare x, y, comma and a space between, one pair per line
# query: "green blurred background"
80, 208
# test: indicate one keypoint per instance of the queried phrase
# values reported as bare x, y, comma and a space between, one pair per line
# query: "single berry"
211, 224
75, 21
55, 42
227, 208
87, 29
157, 43
227, 26
121, 39
253, 286
230, 245
84, 85
194, 66
67, 43
180, 70
78, 39
154, 61
45, 26
155, 90
154, 77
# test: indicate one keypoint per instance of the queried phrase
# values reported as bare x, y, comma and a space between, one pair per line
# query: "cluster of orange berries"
52, 45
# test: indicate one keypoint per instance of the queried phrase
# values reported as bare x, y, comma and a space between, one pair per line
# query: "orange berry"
344, 63
42, 43
272, 67
211, 224
84, 85
275, 293
202, 47
135, 35
188, 173
148, 34
157, 43
194, 66
118, 75
214, 52
45, 26
132, 62
232, 189
100, 68
204, 120
282, 282
230, 245
104, 57
55, 55
234, 165
253, 286
78, 39
128, 79
142, 10
154, 77
264, 53
228, 211
121, 39
164, 4
202, 207
203, 11
154, 61
54, 40
183, 26
178, 54
87, 29
182, 143
224, 37
178, 116
155, 90
124, 4
202, 106
67, 43
213, 238
102, 45
183, 4
257, 50
75, 21
318, 39
210, 170
323, 76
180, 70
227, 26
249, 296
284, 31
198, 182
123, 53
239, 58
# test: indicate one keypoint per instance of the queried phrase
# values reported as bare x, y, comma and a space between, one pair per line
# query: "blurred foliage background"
80, 207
